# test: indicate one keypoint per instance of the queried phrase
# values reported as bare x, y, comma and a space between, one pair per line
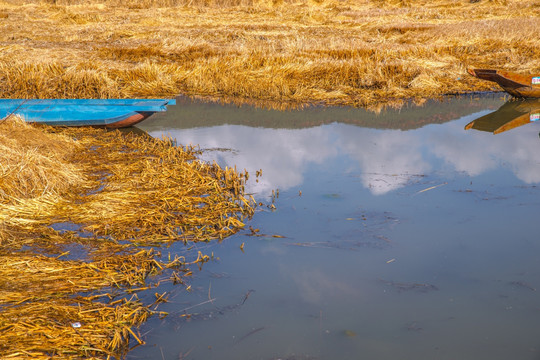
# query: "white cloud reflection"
475, 152
315, 285
282, 154
387, 159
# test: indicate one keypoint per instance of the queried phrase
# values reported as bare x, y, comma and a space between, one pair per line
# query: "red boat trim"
129, 121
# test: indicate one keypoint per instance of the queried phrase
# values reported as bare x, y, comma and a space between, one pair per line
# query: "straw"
81, 211
280, 53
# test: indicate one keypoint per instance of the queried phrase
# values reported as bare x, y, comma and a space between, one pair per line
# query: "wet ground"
394, 236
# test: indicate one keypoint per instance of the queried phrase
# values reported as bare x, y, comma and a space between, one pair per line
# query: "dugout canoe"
509, 116
108, 113
517, 85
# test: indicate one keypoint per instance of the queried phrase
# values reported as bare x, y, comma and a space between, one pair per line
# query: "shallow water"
403, 236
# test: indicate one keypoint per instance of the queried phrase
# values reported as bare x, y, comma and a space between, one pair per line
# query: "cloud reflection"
314, 285
475, 152
282, 154
387, 159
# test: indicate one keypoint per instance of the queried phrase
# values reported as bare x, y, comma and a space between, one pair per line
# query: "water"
401, 236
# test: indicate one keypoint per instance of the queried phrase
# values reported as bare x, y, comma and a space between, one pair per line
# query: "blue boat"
109, 113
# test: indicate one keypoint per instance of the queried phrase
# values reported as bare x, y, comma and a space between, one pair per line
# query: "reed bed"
282, 51
81, 212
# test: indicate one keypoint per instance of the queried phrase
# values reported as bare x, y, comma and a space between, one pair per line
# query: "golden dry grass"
127, 186
330, 51
40, 306
120, 191
31, 168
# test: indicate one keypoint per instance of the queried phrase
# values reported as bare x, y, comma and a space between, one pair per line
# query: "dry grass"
329, 51
40, 305
116, 191
30, 168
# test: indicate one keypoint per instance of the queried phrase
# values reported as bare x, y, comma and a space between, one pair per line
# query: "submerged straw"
80, 211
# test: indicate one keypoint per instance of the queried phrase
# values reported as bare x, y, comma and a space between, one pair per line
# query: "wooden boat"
521, 86
509, 116
109, 113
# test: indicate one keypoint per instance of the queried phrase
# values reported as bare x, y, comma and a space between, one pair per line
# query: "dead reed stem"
286, 51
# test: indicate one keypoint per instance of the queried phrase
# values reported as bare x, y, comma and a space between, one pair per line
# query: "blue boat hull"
110, 113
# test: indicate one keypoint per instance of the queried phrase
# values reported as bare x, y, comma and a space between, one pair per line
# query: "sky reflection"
385, 159
358, 227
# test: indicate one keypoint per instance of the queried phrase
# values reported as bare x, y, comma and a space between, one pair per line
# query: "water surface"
394, 236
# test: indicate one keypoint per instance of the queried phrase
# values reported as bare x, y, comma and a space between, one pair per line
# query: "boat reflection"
509, 116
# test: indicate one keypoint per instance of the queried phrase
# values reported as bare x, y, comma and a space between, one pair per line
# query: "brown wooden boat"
521, 86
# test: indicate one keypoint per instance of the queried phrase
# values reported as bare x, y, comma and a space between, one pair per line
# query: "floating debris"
523, 285
184, 355
345, 244
247, 295
254, 331
257, 233
431, 188
416, 287
413, 326
185, 316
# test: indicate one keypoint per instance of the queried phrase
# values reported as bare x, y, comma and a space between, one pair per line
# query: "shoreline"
330, 52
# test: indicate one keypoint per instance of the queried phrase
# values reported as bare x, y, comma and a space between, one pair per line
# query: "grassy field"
362, 53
